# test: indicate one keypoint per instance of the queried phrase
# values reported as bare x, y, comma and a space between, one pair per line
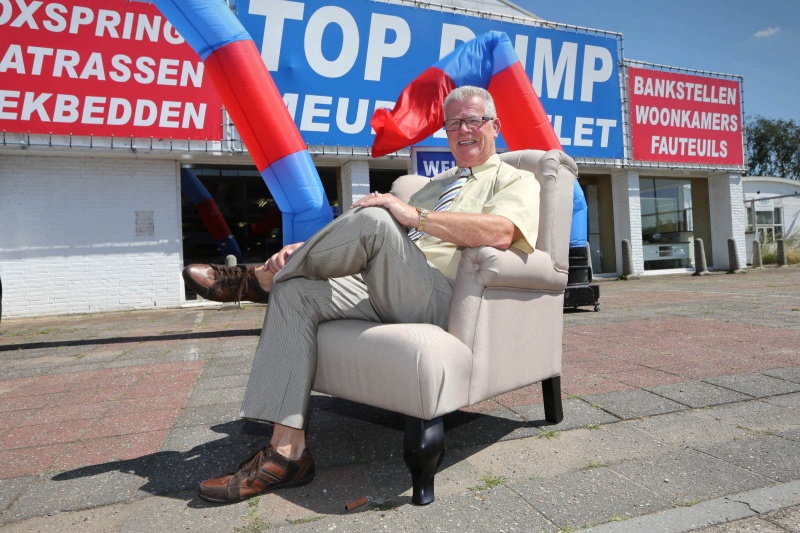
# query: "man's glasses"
454, 124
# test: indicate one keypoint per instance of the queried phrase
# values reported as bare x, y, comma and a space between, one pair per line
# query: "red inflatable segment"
417, 113
524, 122
213, 219
254, 103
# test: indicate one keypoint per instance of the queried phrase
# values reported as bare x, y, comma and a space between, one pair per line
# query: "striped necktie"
445, 199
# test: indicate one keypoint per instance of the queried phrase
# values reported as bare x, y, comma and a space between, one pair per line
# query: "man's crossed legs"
361, 266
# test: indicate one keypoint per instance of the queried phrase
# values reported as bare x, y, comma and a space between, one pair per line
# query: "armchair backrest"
556, 195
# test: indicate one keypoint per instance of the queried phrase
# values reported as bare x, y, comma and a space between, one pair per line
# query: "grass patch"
489, 482
307, 520
547, 434
595, 464
591, 426
690, 503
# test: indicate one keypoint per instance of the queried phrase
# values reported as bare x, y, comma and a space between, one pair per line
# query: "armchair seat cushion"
414, 369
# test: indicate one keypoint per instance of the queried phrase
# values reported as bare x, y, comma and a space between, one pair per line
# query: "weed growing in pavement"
489, 482
595, 464
255, 524
548, 434
307, 519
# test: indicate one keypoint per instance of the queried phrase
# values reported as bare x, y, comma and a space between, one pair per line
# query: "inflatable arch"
251, 98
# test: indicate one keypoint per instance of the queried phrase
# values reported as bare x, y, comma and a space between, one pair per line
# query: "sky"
758, 39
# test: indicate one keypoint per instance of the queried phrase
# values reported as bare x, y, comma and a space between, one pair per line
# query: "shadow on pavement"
176, 474
136, 339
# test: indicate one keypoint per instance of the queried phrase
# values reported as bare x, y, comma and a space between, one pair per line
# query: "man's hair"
465, 92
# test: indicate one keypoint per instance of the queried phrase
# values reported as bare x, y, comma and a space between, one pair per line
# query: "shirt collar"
492, 162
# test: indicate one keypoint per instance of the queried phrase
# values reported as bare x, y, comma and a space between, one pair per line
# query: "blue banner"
430, 162
336, 61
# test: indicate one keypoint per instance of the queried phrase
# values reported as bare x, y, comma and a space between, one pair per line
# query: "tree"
773, 147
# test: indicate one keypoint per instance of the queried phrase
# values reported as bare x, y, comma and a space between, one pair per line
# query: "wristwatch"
423, 216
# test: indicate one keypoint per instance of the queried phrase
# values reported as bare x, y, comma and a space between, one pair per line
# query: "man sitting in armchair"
384, 261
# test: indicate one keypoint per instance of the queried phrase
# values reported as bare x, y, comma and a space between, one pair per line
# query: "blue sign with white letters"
430, 162
336, 61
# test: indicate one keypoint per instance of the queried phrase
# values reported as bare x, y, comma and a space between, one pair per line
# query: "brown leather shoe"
225, 284
265, 471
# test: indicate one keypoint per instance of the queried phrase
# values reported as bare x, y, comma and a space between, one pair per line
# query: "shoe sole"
298, 483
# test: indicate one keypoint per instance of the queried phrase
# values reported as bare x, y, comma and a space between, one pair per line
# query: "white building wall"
68, 234
627, 217
355, 182
728, 218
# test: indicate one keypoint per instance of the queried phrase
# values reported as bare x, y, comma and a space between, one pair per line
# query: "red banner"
683, 118
101, 67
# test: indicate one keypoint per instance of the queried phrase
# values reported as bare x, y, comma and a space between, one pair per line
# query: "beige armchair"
505, 331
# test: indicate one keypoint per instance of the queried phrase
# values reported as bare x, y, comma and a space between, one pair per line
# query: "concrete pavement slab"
96, 487
698, 393
687, 477
587, 497
681, 519
633, 403
789, 374
496, 509
577, 414
773, 457
693, 429
756, 384
789, 519
760, 415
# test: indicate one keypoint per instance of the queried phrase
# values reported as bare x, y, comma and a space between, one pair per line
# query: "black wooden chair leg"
423, 443
551, 390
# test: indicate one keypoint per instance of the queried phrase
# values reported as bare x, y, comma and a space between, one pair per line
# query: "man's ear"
496, 127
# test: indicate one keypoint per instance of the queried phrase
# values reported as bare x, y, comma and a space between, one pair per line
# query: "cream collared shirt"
493, 188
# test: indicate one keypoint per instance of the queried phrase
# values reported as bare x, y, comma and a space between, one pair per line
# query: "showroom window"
666, 223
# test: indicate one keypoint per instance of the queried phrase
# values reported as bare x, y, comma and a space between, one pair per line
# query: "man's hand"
278, 260
403, 213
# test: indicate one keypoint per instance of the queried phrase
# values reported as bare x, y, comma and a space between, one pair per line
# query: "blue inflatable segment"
578, 236
302, 201
192, 187
205, 24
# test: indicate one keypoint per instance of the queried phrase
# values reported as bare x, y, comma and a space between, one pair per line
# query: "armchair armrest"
486, 269
490, 267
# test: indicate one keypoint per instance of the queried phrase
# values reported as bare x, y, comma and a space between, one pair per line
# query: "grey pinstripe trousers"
360, 266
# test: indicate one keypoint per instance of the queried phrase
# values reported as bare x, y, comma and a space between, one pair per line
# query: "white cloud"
769, 32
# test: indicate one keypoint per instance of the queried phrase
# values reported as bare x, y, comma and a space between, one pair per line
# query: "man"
367, 265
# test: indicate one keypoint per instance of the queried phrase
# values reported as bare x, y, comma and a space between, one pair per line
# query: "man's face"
471, 146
